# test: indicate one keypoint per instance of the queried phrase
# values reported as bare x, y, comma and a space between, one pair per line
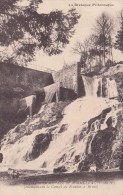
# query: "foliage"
103, 31
88, 51
24, 30
119, 36
97, 48
82, 48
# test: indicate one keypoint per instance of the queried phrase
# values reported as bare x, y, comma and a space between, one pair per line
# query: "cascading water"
111, 87
100, 85
29, 103
29, 100
91, 86
64, 148
50, 92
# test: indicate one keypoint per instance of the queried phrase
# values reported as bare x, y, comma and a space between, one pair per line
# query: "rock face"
121, 163
119, 79
40, 144
82, 135
60, 169
1, 157
62, 140
116, 72
102, 147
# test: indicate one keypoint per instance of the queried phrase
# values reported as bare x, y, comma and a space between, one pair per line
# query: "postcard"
61, 97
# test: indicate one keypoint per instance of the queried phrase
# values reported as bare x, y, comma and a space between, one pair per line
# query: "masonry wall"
68, 77
15, 83
23, 81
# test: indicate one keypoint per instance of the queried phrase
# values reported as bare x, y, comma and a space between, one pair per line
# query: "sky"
89, 11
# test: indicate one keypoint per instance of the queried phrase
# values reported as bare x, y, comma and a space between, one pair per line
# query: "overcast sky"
89, 10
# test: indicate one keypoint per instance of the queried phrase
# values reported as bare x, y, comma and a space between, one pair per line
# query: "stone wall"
16, 83
68, 77
16, 80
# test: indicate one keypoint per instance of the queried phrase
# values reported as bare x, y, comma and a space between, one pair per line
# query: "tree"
82, 48
88, 52
119, 36
103, 30
23, 30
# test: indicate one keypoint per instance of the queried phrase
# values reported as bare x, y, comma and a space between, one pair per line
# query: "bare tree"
88, 51
103, 30
82, 49
98, 46
119, 35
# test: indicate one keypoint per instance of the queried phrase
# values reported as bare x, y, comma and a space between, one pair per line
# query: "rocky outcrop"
106, 148
39, 145
1, 157
61, 169
48, 116
102, 147
71, 136
67, 141
119, 80
116, 72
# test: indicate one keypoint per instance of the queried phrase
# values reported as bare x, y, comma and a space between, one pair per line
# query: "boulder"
40, 144
61, 169
101, 147
1, 157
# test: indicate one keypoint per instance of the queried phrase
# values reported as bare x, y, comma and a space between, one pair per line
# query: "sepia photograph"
61, 97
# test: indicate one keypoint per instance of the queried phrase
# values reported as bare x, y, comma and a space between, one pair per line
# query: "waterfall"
50, 92
62, 150
95, 126
111, 88
101, 92
29, 102
91, 86
95, 85
62, 144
